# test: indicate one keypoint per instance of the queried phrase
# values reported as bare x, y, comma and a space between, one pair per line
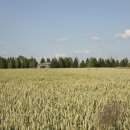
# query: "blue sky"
48, 28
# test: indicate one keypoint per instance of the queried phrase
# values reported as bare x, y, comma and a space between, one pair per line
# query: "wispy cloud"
124, 35
96, 38
62, 40
57, 55
83, 52
87, 52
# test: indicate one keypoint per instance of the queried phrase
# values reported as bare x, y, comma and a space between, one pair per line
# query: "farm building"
44, 65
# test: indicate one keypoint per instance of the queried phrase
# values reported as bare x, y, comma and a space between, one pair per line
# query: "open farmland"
65, 99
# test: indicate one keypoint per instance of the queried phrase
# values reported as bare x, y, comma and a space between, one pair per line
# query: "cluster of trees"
62, 62
109, 62
68, 62
19, 62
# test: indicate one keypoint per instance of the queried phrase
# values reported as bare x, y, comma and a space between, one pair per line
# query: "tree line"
19, 62
69, 62
63, 62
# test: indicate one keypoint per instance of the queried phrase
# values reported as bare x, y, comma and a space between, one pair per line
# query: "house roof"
44, 64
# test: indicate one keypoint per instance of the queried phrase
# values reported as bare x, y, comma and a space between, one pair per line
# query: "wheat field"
65, 99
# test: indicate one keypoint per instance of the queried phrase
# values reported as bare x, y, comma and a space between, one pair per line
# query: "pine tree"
108, 63
117, 64
101, 62
11, 62
17, 63
54, 63
3, 63
76, 63
93, 62
24, 62
82, 64
42, 60
124, 62
48, 60
32, 63
61, 62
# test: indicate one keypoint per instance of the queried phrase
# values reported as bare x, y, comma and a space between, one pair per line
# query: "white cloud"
87, 52
83, 52
60, 55
124, 35
96, 38
62, 40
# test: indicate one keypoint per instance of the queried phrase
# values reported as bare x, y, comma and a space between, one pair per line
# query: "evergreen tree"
108, 63
42, 60
68, 62
124, 62
82, 64
11, 62
87, 62
92, 62
113, 63
48, 60
32, 63
129, 64
3, 63
24, 62
101, 62
76, 63
54, 63
17, 63
117, 64
61, 62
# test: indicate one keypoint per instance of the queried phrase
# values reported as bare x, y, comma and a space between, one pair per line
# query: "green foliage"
68, 62
82, 64
92, 62
117, 64
76, 63
11, 63
128, 64
62, 62
101, 62
17, 63
32, 63
42, 60
3, 63
48, 60
124, 62
24, 62
54, 63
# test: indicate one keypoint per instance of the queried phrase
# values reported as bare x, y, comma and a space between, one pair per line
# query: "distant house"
44, 65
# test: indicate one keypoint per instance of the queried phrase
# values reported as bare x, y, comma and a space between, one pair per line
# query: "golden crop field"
65, 99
